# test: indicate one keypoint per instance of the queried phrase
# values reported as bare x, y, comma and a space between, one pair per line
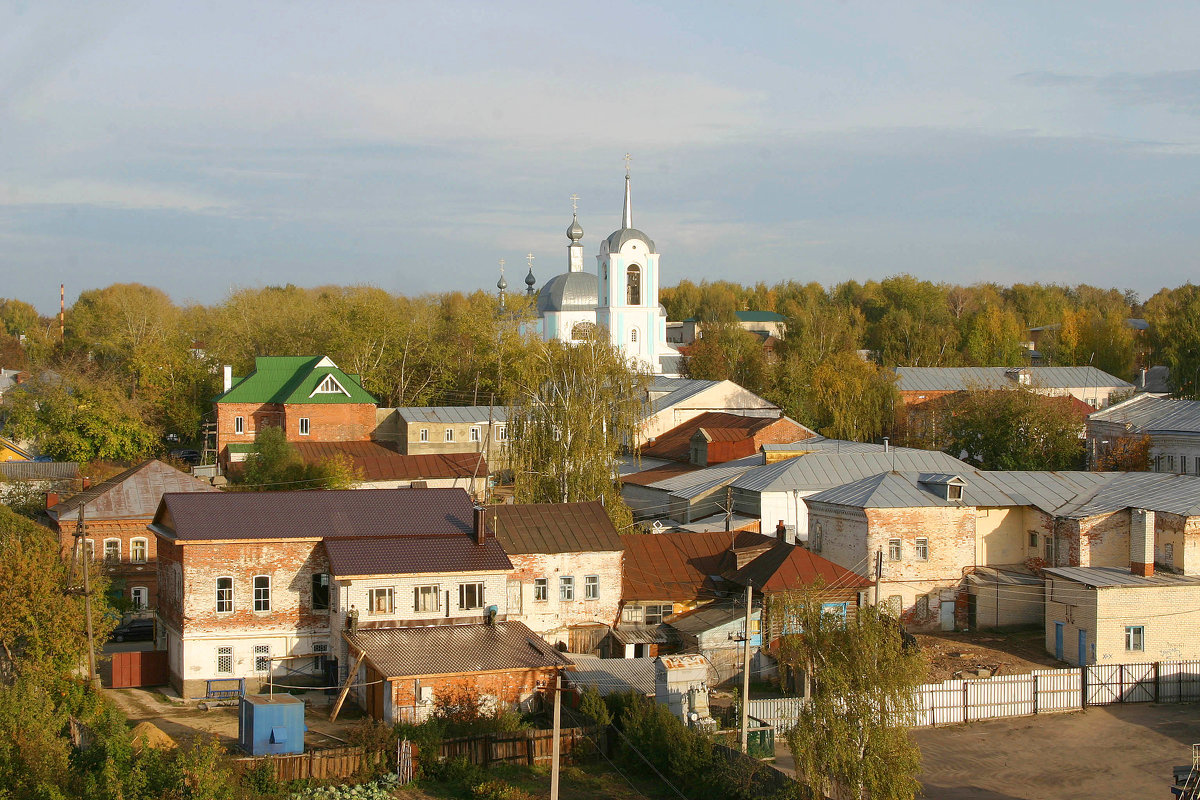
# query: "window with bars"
591, 587
262, 592
541, 589
425, 598
224, 660
138, 550
262, 658
566, 587
383, 601
224, 595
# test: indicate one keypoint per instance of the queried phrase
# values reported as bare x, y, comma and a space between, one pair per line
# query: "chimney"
51, 499
1143, 377
1141, 542
480, 524
87, 483
228, 382
781, 531
886, 444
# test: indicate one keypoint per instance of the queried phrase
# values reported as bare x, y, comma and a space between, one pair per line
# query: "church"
621, 297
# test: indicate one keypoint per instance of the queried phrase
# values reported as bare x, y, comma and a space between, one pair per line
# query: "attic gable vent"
329, 386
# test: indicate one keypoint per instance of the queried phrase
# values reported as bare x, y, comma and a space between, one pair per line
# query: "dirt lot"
185, 722
1116, 751
950, 654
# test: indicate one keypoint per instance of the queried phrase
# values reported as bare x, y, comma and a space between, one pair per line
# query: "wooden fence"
519, 747
336, 762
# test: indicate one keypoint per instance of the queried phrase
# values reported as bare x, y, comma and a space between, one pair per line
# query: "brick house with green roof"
308, 396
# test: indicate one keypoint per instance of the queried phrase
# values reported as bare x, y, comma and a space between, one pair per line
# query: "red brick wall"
330, 422
131, 574
509, 687
255, 416
916, 398
782, 431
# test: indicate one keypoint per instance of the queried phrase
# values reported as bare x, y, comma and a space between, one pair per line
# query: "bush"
498, 790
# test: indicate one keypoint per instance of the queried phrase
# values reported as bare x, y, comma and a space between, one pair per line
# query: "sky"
205, 146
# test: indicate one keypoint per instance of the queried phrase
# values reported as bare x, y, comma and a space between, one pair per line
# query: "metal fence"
780, 713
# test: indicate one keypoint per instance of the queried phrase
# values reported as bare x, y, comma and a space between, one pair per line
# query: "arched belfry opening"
633, 285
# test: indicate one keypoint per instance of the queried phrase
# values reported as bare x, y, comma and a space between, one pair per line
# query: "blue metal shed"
271, 724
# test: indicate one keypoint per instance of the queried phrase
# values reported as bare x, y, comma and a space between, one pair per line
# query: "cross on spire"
628, 158
529, 258
574, 204
502, 266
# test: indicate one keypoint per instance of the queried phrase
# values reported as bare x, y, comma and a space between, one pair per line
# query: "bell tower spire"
627, 213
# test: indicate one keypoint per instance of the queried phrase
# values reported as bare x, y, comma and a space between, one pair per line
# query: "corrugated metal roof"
824, 470
676, 444
686, 482
1147, 414
377, 463
957, 379
788, 567
453, 415
820, 444
679, 566
1107, 577
453, 649
554, 528
611, 675
39, 470
707, 617
132, 494
294, 379
323, 513
406, 555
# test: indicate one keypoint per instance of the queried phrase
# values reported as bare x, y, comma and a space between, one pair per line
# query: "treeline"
904, 321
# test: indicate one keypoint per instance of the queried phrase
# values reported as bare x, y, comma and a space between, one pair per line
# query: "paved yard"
1109, 752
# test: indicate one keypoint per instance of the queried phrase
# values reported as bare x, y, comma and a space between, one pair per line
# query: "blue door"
1058, 640
1083, 648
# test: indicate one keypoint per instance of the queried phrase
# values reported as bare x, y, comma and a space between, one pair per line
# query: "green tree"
571, 409
849, 398
1125, 454
1015, 429
1174, 317
276, 466
995, 338
852, 732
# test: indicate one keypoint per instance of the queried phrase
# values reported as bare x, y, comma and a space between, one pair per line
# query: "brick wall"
505, 687
1169, 615
330, 422
551, 618
409, 435
1073, 605
124, 572
1100, 541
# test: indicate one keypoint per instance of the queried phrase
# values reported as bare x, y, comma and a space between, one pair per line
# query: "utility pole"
557, 737
84, 557
746, 672
878, 572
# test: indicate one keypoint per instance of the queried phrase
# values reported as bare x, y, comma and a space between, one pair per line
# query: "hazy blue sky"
203, 145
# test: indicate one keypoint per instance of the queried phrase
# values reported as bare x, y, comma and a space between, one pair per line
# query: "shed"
271, 724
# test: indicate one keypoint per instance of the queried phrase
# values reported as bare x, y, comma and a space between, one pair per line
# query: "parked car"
186, 455
134, 630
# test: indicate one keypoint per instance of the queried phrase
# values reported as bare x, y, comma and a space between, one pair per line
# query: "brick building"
309, 397
1092, 386
381, 468
115, 515
566, 578
427, 430
278, 583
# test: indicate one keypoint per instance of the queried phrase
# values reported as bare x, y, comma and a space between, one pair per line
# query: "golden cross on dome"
502, 266
628, 158
529, 258
574, 204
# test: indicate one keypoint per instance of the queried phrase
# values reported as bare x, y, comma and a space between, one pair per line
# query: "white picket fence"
1043, 691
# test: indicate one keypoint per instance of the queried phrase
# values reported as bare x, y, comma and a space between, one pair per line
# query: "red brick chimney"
780, 531
480, 524
51, 499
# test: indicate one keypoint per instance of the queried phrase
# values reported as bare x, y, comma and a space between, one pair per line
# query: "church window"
633, 336
633, 283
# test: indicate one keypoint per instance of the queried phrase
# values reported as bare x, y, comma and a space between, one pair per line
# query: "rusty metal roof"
406, 555
675, 444
454, 649
680, 566
788, 567
132, 494
323, 513
377, 463
554, 528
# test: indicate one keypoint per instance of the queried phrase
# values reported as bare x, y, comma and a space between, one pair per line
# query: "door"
1083, 659
1058, 640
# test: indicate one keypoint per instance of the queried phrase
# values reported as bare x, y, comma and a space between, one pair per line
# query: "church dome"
575, 232
617, 239
571, 291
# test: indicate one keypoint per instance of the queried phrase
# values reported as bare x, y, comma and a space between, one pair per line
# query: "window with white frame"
139, 550
922, 547
470, 596
89, 549
262, 592
954, 492
632, 614
225, 660
383, 600
112, 550
541, 589
425, 598
501, 433
330, 386
1135, 638
449, 434
224, 595
566, 587
239, 424
262, 658
655, 613
304, 428
424, 435
476, 433
591, 587
140, 596
893, 549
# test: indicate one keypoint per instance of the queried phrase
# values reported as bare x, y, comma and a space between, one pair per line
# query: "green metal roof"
294, 379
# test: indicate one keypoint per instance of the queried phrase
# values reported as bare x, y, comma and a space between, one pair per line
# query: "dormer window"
954, 492
329, 385
945, 486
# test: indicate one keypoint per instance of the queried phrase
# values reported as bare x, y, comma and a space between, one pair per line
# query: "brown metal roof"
405, 555
131, 494
680, 566
326, 514
787, 567
377, 463
553, 528
454, 649
676, 444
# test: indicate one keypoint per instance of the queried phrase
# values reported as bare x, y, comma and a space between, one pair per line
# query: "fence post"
1035, 693
1083, 671
966, 700
529, 751
1156, 677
